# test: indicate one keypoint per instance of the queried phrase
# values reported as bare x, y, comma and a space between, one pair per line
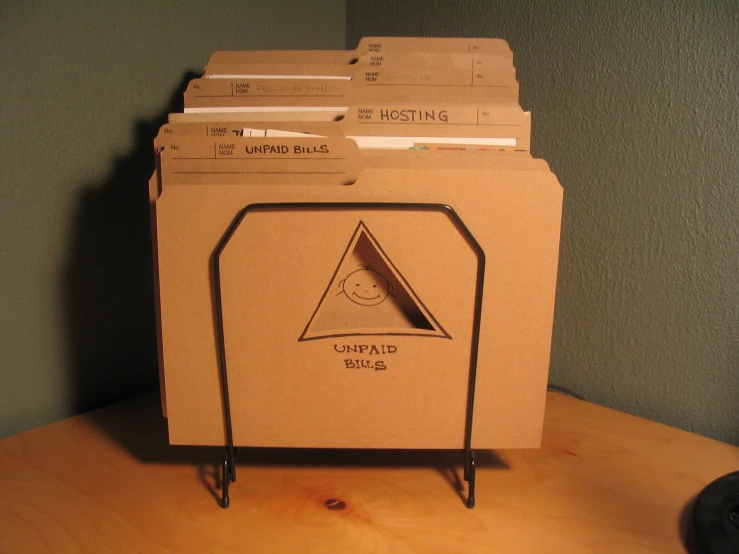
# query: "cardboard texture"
463, 114
379, 86
369, 45
154, 190
365, 61
191, 165
192, 159
499, 127
349, 326
429, 74
519, 231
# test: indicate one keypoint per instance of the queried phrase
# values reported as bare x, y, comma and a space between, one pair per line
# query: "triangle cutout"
367, 295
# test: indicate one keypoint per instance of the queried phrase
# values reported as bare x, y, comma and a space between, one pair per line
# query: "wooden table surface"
107, 481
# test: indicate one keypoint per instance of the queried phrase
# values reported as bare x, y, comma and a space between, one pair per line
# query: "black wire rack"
229, 466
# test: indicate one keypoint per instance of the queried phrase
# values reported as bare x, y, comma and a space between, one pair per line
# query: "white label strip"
279, 133
324, 77
397, 142
410, 142
266, 109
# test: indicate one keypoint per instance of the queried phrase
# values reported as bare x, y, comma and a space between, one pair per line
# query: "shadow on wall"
107, 286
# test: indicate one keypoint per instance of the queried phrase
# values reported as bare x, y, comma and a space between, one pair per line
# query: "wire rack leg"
227, 477
469, 476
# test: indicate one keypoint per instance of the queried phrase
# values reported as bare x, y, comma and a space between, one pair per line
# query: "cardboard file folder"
380, 86
369, 45
366, 61
432, 74
200, 167
498, 127
409, 113
298, 259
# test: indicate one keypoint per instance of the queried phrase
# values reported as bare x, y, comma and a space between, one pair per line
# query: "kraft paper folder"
377, 46
453, 121
501, 127
380, 86
368, 61
428, 75
513, 213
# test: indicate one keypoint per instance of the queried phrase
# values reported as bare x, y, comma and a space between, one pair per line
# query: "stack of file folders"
355, 249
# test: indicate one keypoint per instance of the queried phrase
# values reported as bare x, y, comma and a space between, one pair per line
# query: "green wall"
636, 107
85, 86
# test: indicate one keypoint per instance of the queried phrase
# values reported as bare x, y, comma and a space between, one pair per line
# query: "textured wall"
85, 85
636, 107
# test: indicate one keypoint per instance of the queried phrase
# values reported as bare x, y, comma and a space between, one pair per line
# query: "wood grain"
107, 481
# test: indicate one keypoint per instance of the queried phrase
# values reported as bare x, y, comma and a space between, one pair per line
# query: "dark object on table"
716, 517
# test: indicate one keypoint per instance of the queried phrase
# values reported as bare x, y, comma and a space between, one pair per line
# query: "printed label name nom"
226, 149
376, 60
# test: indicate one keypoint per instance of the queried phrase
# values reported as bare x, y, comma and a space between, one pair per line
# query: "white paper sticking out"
410, 142
379, 142
315, 77
266, 109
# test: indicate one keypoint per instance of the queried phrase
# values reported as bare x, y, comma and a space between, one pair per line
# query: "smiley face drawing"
366, 286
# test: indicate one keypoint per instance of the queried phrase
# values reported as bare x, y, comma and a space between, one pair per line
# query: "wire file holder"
228, 465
